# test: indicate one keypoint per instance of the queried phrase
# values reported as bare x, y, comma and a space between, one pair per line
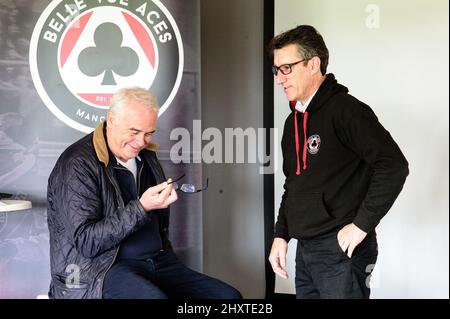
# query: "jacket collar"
101, 146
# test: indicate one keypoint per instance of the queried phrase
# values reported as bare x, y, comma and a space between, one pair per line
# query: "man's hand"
277, 257
159, 196
349, 237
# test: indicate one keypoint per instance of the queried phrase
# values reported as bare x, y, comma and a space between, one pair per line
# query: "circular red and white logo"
314, 144
82, 52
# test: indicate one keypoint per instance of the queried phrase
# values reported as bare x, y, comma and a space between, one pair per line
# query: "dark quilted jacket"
87, 219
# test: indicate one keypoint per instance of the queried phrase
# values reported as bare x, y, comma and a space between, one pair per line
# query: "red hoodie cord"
297, 146
297, 142
305, 142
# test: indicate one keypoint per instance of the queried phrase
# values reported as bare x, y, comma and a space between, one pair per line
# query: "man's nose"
280, 78
142, 140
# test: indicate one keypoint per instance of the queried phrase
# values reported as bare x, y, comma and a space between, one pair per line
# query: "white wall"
398, 64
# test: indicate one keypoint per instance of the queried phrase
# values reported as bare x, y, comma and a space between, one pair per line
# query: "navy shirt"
146, 242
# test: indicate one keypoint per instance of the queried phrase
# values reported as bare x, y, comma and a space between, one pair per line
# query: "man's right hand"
277, 257
159, 196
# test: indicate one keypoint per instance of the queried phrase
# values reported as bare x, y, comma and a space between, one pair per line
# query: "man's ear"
110, 118
315, 65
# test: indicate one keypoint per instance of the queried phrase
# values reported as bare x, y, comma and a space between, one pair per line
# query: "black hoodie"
345, 169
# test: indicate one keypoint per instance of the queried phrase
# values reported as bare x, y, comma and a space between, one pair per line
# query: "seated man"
108, 214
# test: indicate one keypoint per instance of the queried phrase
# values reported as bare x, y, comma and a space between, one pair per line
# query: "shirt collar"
302, 108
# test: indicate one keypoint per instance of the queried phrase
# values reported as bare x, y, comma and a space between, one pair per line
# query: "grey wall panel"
232, 97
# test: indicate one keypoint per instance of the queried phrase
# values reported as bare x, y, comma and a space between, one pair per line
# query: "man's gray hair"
125, 95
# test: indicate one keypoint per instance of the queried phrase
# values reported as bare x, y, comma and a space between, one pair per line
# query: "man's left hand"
349, 237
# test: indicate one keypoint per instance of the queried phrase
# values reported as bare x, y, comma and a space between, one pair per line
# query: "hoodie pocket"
306, 214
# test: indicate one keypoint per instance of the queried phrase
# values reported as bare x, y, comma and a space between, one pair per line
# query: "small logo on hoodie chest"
314, 144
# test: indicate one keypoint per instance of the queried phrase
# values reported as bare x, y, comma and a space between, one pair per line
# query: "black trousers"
323, 270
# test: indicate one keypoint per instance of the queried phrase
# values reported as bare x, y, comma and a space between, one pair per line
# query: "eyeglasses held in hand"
177, 179
187, 188
285, 68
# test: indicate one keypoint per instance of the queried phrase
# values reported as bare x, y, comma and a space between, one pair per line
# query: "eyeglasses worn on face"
285, 68
187, 188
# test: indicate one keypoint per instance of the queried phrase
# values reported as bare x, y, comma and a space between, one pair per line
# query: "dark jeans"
323, 270
162, 277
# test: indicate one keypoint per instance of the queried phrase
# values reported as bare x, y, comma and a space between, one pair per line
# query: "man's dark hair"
309, 41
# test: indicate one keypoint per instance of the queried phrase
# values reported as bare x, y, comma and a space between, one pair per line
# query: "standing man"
108, 214
343, 173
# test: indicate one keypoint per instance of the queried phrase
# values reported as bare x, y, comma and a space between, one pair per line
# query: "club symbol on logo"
108, 41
